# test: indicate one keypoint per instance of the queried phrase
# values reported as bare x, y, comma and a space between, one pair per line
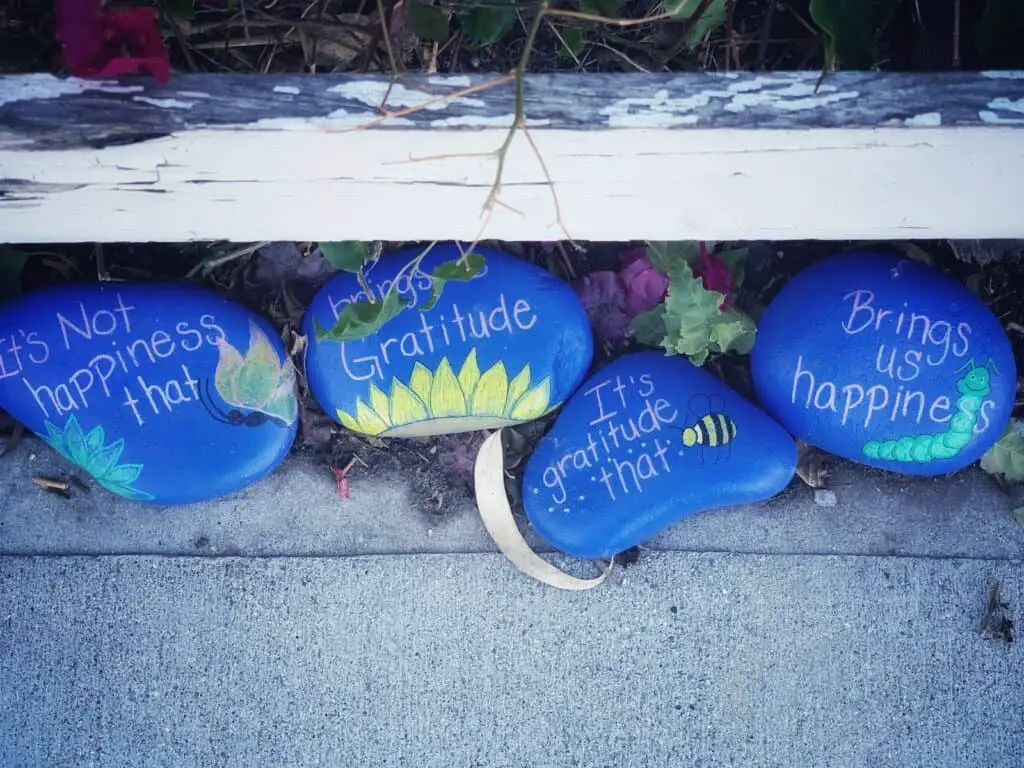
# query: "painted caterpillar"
973, 388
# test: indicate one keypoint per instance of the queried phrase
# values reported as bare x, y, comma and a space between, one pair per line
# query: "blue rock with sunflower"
886, 361
647, 441
434, 341
163, 393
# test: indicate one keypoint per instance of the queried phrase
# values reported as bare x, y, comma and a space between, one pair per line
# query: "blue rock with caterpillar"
503, 346
887, 362
163, 393
645, 442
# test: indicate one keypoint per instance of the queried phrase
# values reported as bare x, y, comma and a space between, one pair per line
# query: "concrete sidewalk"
367, 633
457, 660
296, 510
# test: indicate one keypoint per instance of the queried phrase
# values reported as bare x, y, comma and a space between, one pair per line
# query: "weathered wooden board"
729, 156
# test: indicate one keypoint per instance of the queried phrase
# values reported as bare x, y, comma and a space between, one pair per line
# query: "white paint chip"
1005, 74
165, 103
925, 120
1007, 106
453, 82
291, 89
38, 86
475, 121
372, 93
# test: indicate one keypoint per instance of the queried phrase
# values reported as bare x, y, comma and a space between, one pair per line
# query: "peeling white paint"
781, 98
476, 121
993, 119
612, 185
165, 103
372, 93
662, 110
193, 94
925, 120
1007, 106
39, 86
1003, 74
291, 89
455, 81
339, 118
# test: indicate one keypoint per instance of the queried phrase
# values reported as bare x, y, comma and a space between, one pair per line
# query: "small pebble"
823, 497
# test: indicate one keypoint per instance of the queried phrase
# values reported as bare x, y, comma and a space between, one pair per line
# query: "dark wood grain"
38, 111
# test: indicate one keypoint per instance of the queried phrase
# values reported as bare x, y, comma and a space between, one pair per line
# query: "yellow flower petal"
379, 402
534, 403
348, 421
369, 422
420, 381
445, 393
469, 375
517, 388
491, 392
405, 406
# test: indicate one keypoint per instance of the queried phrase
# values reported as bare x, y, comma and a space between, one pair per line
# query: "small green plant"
1005, 459
363, 318
693, 320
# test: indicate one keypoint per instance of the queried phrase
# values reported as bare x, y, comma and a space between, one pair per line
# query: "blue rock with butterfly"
644, 442
164, 393
887, 362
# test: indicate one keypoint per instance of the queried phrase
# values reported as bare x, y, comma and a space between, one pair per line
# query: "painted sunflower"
433, 402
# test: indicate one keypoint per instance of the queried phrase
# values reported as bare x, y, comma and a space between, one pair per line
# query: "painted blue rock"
163, 393
504, 347
645, 442
886, 362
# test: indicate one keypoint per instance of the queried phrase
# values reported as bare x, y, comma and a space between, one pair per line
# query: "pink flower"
108, 43
716, 275
603, 297
645, 286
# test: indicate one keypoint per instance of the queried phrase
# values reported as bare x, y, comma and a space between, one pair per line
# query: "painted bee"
711, 430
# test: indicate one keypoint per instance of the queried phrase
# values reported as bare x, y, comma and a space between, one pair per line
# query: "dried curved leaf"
496, 513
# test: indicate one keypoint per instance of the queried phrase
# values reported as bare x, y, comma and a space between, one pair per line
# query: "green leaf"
851, 28
1006, 457
1018, 515
360, 319
736, 261
694, 324
713, 17
609, 9
458, 270
649, 326
428, 22
348, 255
462, 269
486, 26
12, 265
573, 40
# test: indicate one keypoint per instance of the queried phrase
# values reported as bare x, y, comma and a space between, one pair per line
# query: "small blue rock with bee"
887, 362
645, 442
163, 393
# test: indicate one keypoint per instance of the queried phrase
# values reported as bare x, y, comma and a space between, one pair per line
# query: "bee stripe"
712, 434
728, 428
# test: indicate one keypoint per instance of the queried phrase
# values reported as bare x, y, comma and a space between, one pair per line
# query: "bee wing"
716, 404
700, 405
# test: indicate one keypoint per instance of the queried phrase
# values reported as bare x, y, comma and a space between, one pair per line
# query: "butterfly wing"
262, 382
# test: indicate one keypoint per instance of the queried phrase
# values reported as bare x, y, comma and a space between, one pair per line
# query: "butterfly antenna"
215, 413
